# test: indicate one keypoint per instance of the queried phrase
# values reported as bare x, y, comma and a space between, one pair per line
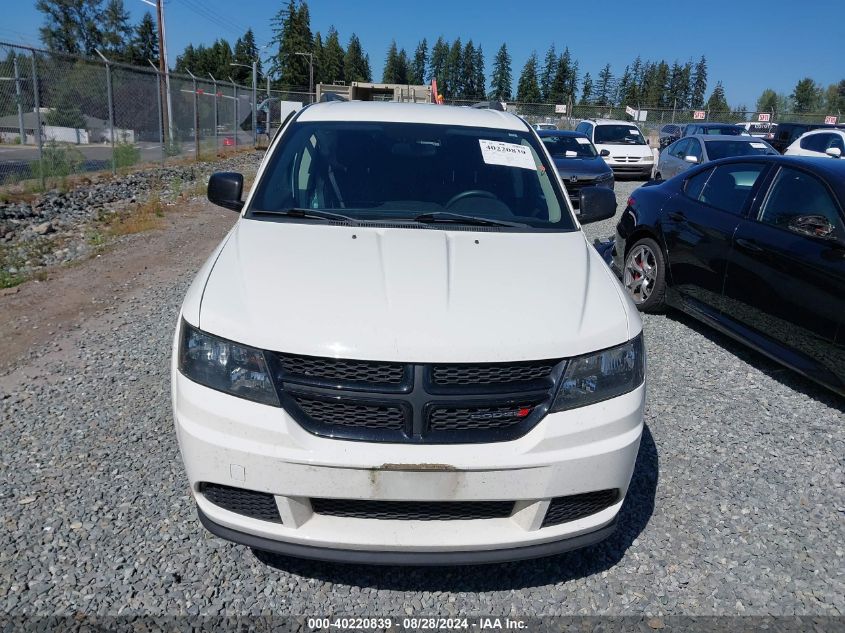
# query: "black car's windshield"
724, 149
728, 130
618, 135
568, 146
376, 171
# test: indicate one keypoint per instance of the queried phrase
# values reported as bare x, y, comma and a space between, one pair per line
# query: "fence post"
214, 84
19, 99
37, 98
111, 109
160, 115
234, 111
196, 118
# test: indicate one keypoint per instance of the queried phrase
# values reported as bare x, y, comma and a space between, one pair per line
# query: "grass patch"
126, 155
143, 217
57, 162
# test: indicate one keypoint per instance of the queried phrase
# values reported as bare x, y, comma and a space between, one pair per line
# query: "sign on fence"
830, 120
630, 111
560, 109
764, 117
699, 114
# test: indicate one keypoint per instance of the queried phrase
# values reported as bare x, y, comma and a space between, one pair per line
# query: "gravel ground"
737, 503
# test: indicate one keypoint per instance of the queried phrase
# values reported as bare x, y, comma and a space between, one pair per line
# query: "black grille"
340, 370
257, 505
412, 510
563, 509
489, 374
478, 418
336, 412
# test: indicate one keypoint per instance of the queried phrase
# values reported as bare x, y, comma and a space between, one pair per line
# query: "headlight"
220, 364
605, 177
595, 377
648, 159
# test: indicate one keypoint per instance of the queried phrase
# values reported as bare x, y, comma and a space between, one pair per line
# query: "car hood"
591, 167
413, 295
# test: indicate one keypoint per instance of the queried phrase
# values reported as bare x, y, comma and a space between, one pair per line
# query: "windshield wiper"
436, 217
310, 214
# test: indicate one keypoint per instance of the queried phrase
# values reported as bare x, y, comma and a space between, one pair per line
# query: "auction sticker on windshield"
507, 154
582, 141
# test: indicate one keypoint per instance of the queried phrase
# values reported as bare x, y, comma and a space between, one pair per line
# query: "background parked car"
701, 148
724, 129
754, 246
819, 143
669, 133
621, 144
544, 126
787, 133
760, 130
577, 161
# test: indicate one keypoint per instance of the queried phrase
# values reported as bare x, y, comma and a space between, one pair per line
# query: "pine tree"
500, 81
245, 53
356, 65
143, 47
391, 65
528, 89
806, 96
452, 73
572, 82
633, 94
70, 26
547, 76
292, 34
604, 88
404, 66
480, 81
587, 89
699, 84
468, 74
419, 65
318, 50
116, 31
717, 104
437, 66
767, 101
333, 54
622, 88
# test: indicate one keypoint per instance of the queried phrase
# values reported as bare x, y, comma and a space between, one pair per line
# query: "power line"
214, 17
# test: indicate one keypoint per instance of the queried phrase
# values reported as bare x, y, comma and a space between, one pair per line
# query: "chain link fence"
62, 115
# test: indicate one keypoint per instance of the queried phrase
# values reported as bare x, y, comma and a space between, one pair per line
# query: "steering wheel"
471, 193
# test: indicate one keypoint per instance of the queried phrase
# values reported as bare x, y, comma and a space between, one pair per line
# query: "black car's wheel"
644, 275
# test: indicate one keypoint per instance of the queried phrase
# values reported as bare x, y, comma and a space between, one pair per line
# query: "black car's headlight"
225, 366
595, 377
605, 177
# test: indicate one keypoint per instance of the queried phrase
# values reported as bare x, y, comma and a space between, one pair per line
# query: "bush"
126, 155
57, 161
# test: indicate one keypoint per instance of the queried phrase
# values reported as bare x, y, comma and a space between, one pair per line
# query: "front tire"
644, 275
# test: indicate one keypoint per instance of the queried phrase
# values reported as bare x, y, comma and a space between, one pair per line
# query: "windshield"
376, 171
578, 146
618, 135
724, 149
729, 130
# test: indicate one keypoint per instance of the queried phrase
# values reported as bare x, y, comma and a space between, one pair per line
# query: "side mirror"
813, 226
225, 189
648, 141
604, 152
833, 152
691, 159
596, 203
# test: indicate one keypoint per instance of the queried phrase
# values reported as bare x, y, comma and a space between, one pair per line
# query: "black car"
754, 246
722, 129
669, 133
786, 133
577, 162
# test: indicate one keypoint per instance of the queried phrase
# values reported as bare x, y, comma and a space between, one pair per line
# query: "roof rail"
489, 105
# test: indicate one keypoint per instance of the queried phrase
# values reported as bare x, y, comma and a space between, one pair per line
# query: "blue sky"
749, 45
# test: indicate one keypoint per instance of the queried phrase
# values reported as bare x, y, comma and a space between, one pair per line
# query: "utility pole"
162, 64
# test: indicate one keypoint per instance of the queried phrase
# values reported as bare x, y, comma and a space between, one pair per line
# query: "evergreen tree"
404, 66
528, 89
333, 58
292, 35
717, 104
767, 101
437, 67
318, 50
67, 112
391, 65
245, 52
632, 94
468, 74
806, 96
604, 88
143, 47
356, 65
572, 82
70, 26
834, 98
480, 81
419, 65
116, 31
587, 89
674, 94
622, 88
699, 84
500, 81
547, 76
452, 85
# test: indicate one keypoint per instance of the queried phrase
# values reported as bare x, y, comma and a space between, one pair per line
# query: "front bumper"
234, 442
632, 169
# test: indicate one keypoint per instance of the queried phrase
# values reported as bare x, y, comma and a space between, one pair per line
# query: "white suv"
406, 351
824, 143
621, 144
